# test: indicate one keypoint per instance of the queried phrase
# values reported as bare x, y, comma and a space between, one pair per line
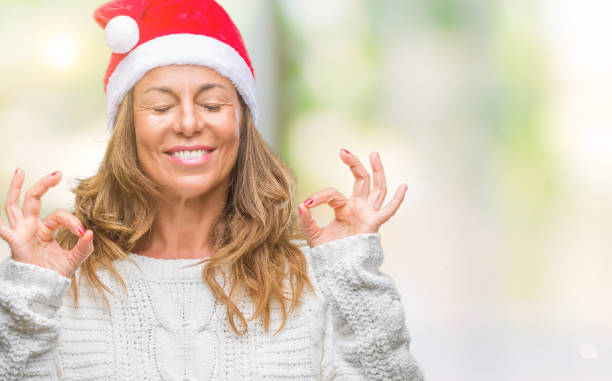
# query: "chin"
191, 190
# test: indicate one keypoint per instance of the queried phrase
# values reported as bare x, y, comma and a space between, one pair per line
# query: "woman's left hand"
362, 213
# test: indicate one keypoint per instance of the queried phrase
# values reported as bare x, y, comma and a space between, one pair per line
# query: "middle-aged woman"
181, 258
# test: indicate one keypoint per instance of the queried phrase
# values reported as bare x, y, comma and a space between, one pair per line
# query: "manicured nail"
54, 173
308, 201
81, 229
17, 170
345, 151
299, 211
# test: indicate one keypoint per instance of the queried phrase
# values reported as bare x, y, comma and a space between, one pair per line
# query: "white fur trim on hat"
180, 49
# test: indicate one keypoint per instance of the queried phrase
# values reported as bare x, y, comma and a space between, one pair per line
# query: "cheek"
229, 129
231, 137
147, 137
234, 136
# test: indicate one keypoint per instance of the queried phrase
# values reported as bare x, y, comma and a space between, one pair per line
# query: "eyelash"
212, 108
161, 110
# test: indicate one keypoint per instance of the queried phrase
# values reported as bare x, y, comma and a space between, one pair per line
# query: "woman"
181, 254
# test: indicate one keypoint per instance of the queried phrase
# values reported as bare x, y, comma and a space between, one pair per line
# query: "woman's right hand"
32, 240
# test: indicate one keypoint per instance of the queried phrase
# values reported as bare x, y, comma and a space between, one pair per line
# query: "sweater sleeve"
366, 335
30, 297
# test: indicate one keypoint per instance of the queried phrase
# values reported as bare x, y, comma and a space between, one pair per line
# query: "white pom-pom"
121, 34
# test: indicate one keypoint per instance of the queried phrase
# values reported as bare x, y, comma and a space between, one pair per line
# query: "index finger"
31, 202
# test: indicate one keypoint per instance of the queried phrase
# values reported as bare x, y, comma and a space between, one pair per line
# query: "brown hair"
253, 248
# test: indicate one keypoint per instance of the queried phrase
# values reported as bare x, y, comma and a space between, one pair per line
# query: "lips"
189, 148
190, 156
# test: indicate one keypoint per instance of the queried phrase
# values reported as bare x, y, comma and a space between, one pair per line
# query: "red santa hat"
145, 34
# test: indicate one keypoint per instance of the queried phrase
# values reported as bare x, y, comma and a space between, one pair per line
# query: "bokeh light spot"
61, 52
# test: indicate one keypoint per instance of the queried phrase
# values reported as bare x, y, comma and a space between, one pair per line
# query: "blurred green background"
496, 113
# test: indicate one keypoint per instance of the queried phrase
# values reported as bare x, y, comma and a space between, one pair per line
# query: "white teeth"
189, 154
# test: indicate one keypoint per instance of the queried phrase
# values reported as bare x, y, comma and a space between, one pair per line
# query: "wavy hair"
254, 249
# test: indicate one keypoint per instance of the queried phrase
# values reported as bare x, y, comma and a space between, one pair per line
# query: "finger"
389, 210
308, 225
59, 218
6, 233
379, 188
84, 247
31, 202
361, 188
13, 212
330, 196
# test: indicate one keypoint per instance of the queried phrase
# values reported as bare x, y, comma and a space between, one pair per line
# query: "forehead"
181, 76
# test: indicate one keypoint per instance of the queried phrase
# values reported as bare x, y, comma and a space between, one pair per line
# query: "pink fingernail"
81, 229
54, 173
308, 201
17, 170
345, 151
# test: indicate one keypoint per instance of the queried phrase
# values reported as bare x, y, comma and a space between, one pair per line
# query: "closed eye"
161, 110
212, 107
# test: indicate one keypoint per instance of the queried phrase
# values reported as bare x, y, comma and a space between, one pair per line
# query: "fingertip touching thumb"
85, 245
307, 223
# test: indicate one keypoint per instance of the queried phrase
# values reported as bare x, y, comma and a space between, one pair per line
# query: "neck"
183, 227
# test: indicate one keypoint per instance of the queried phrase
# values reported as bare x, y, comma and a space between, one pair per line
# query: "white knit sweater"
169, 327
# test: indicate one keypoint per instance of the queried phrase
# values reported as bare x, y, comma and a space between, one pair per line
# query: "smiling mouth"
193, 157
189, 154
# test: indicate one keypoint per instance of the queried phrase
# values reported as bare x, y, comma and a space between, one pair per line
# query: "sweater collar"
157, 268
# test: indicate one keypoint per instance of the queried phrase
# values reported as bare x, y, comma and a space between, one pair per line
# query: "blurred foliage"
446, 15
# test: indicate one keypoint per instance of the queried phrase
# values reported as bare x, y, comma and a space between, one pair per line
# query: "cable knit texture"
169, 326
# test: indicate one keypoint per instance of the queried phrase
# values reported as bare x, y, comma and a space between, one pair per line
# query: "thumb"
84, 247
307, 225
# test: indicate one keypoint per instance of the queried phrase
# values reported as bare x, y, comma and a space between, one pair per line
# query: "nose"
189, 123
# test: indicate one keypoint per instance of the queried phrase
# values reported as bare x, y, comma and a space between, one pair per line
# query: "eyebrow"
168, 90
